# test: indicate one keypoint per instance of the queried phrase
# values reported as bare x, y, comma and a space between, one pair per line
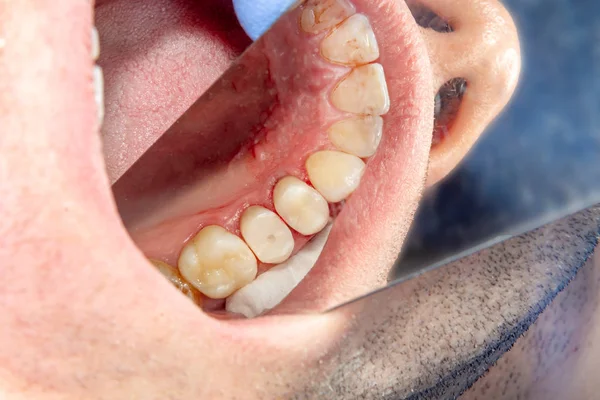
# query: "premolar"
358, 136
334, 174
320, 15
217, 262
267, 235
363, 91
177, 280
300, 206
352, 43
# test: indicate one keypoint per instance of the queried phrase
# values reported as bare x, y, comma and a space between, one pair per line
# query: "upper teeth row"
218, 262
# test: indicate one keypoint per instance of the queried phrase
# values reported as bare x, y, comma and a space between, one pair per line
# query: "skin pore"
85, 316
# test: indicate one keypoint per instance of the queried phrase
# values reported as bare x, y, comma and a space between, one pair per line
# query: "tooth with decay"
217, 262
352, 43
359, 136
300, 206
362, 91
177, 280
267, 235
320, 15
334, 174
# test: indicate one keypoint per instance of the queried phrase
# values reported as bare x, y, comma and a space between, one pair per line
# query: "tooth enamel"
176, 279
95, 44
363, 91
272, 286
352, 43
334, 174
217, 262
359, 136
320, 15
99, 93
300, 206
267, 235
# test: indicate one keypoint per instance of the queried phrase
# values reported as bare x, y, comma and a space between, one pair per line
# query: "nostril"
426, 18
447, 103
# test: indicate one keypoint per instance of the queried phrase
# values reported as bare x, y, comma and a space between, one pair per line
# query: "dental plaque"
239, 220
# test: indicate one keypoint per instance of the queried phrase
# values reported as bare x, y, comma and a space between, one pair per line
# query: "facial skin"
85, 316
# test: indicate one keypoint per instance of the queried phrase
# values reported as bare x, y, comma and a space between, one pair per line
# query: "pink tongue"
158, 57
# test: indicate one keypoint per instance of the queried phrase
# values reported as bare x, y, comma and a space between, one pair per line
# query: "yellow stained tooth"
358, 136
217, 262
362, 91
320, 15
300, 206
173, 275
334, 174
267, 235
352, 43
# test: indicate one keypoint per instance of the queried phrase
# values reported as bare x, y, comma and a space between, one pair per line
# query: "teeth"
352, 43
95, 44
217, 263
176, 279
334, 174
358, 136
320, 15
300, 206
363, 91
267, 235
99, 93
271, 287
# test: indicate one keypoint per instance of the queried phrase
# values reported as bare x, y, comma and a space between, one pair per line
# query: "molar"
217, 262
358, 136
300, 206
363, 91
177, 280
320, 15
352, 43
267, 235
334, 174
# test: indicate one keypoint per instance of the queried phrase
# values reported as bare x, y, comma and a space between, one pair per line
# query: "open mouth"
291, 195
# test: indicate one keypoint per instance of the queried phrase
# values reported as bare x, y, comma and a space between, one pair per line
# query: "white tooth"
272, 286
99, 93
352, 43
300, 206
267, 235
359, 136
363, 91
217, 262
173, 275
334, 174
95, 44
320, 15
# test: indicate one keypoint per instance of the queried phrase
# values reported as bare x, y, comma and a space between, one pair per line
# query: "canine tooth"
217, 262
272, 286
176, 279
351, 43
363, 91
334, 174
95, 44
359, 136
99, 92
300, 206
267, 235
320, 15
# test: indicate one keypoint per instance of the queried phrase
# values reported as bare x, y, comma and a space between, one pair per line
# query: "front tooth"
267, 235
300, 206
95, 44
352, 43
363, 91
99, 93
176, 279
334, 174
359, 136
320, 15
217, 262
